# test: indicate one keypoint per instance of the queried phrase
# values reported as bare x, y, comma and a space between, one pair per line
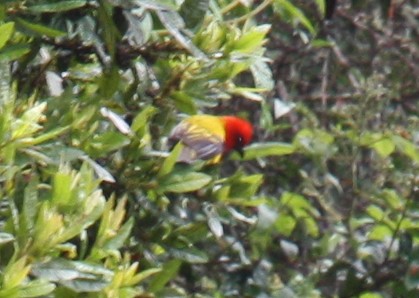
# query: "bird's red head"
239, 133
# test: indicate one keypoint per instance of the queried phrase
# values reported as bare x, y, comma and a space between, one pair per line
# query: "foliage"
322, 204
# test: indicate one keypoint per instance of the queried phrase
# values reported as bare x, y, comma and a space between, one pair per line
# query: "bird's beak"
240, 151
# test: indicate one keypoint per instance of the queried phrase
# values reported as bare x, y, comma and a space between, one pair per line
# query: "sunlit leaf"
118, 240
179, 182
250, 40
6, 30
384, 147
380, 233
259, 150
36, 288
145, 274
375, 212
296, 14
141, 120
170, 161
15, 272
371, 295
285, 224
321, 43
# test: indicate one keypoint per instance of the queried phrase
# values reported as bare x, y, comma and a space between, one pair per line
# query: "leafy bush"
322, 204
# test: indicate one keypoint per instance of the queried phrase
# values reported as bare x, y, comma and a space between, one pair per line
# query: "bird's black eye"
239, 145
240, 142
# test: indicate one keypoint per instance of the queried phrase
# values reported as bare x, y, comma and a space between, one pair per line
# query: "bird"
210, 138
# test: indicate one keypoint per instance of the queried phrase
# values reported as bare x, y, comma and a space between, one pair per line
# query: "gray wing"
199, 143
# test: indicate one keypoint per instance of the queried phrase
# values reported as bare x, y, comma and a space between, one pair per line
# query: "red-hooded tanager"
209, 137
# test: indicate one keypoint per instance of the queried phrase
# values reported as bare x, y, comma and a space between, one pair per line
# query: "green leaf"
246, 186
58, 270
371, 295
170, 161
14, 52
296, 14
302, 210
15, 272
36, 288
393, 199
110, 35
406, 147
168, 272
57, 6
295, 201
311, 226
190, 255
39, 29
52, 134
62, 188
321, 6
193, 12
285, 224
180, 182
251, 40
321, 43
6, 30
109, 82
28, 123
380, 233
85, 285
384, 146
184, 102
123, 234
30, 204
109, 141
142, 119
375, 212
259, 150
139, 277
193, 231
